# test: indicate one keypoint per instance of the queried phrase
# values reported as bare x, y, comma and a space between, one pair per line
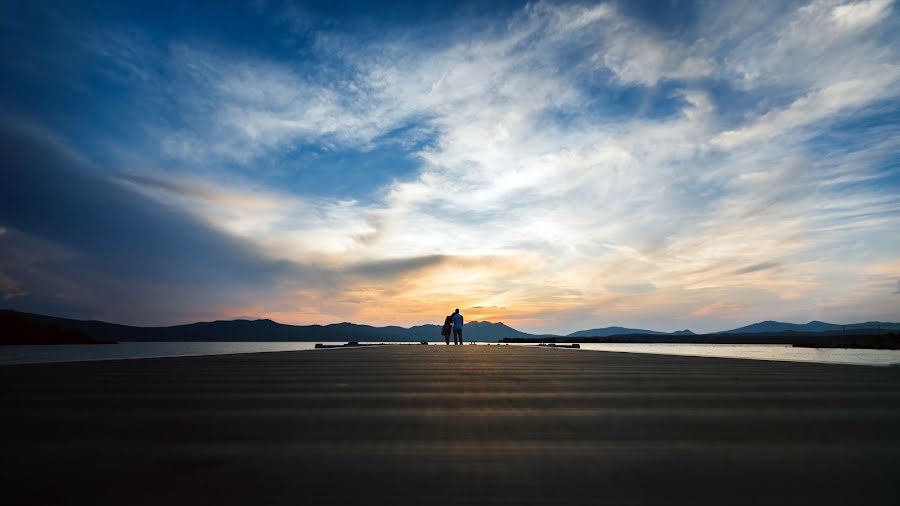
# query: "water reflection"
80, 352
87, 352
757, 351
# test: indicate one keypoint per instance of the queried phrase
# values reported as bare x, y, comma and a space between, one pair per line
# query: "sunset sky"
555, 166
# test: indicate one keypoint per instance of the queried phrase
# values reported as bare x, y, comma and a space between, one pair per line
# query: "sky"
555, 166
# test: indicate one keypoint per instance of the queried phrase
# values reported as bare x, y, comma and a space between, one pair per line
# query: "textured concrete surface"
445, 425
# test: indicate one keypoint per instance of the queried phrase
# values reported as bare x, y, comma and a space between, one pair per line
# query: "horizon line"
250, 319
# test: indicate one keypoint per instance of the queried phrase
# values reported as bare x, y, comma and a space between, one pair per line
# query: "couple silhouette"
453, 324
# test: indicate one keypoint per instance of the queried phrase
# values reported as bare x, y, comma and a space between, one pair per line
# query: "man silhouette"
457, 327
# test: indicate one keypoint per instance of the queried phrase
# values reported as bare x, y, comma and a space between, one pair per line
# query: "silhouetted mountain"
618, 331
476, 331
873, 325
813, 326
268, 330
17, 328
489, 331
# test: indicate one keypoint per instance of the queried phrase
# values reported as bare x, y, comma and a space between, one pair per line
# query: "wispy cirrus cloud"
574, 165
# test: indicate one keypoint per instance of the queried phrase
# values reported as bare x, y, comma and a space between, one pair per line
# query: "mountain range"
618, 331
813, 326
268, 330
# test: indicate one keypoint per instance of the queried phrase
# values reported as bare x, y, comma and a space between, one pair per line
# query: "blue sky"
554, 165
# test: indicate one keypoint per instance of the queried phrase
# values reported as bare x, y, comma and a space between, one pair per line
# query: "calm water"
757, 351
83, 352
77, 353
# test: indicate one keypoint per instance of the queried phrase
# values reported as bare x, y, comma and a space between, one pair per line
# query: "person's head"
457, 310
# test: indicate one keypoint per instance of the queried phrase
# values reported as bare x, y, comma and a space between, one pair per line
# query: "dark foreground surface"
438, 425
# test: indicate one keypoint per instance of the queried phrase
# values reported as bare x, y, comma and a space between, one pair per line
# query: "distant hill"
813, 326
618, 331
16, 329
268, 330
478, 331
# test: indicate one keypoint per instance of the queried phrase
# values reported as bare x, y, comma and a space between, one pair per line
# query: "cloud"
633, 288
719, 309
814, 106
860, 15
637, 56
388, 269
573, 166
763, 266
74, 235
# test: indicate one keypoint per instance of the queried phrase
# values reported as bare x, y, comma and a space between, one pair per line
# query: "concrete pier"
447, 425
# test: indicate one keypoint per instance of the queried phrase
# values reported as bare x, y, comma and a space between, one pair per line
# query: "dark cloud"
763, 266
69, 229
168, 186
388, 269
897, 291
634, 288
384, 270
378, 226
49, 305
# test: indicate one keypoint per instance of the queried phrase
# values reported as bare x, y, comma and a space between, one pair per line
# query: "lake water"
779, 352
85, 352
79, 352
